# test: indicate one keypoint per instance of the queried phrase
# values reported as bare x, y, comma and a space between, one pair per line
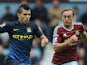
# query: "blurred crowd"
47, 19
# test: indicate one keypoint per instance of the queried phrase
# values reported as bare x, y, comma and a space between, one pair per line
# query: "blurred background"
46, 14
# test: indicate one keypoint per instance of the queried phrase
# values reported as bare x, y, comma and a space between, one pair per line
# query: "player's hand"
44, 42
73, 38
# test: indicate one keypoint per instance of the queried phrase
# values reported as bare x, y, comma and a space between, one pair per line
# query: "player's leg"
71, 63
10, 61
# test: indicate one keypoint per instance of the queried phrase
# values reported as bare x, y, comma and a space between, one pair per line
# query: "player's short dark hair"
23, 6
67, 10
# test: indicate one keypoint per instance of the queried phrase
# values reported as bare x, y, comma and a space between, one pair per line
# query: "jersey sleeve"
38, 31
56, 36
4, 27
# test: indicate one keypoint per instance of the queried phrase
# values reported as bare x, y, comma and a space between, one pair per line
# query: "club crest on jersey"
77, 32
29, 29
65, 35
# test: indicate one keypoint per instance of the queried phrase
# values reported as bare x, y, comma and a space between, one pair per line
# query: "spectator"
40, 12
76, 12
24, 1
40, 24
83, 18
54, 16
8, 17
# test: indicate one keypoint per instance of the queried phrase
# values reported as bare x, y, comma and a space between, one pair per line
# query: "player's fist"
44, 42
73, 38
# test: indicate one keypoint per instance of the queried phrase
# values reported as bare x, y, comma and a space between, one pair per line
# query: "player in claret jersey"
21, 34
65, 39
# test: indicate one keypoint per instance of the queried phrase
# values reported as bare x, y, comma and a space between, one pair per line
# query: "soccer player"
65, 39
21, 34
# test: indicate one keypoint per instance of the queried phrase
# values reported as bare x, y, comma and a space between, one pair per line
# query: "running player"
65, 39
21, 34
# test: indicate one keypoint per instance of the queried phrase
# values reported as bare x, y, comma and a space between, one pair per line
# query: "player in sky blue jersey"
21, 34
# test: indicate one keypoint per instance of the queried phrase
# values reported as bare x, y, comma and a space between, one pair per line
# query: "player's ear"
73, 15
18, 14
30, 13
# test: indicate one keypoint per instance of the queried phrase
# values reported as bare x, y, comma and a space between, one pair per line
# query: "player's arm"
83, 34
57, 46
39, 34
60, 46
4, 27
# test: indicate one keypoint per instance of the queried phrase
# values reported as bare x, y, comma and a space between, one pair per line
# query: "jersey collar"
68, 28
22, 23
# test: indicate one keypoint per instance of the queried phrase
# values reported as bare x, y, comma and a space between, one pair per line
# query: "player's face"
24, 16
67, 18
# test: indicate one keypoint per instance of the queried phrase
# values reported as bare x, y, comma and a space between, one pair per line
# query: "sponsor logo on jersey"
65, 35
77, 32
22, 37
